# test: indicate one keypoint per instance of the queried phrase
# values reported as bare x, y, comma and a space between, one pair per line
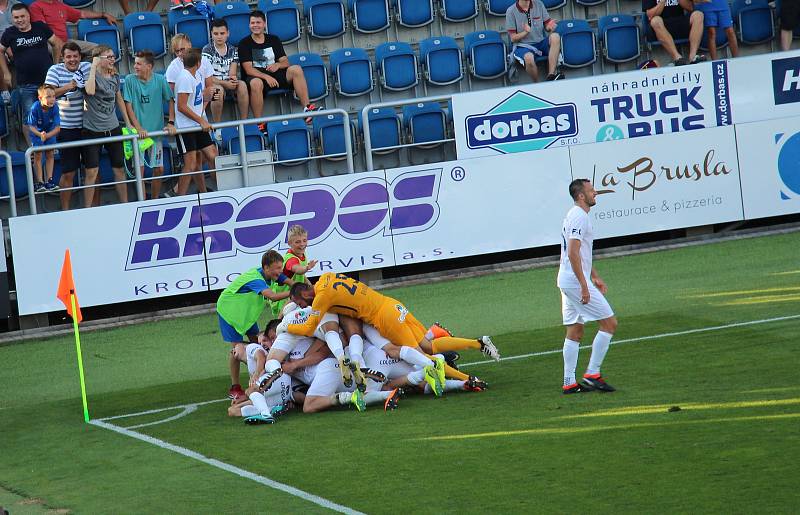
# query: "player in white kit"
582, 300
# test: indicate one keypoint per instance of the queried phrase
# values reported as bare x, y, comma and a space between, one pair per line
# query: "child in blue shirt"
44, 123
717, 14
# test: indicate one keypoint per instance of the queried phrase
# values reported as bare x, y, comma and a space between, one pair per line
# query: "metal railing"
368, 151
12, 194
137, 160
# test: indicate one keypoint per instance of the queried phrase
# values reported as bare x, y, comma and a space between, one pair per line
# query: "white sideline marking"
228, 468
644, 338
159, 410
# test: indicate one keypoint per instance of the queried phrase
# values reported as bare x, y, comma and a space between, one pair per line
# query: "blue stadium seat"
237, 16
578, 46
414, 13
397, 66
325, 18
329, 132
144, 31
283, 19
425, 122
554, 4
590, 3
254, 140
369, 16
190, 22
498, 7
290, 141
79, 4
619, 34
441, 60
486, 54
754, 19
19, 174
3, 122
101, 32
384, 129
459, 10
352, 71
315, 72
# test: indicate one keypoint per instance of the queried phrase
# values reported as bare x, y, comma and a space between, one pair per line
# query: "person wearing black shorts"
265, 67
102, 96
790, 20
190, 104
669, 21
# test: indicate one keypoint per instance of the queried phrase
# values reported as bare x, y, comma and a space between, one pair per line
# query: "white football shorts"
328, 380
573, 312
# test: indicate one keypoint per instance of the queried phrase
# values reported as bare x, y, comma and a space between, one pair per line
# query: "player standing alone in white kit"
582, 301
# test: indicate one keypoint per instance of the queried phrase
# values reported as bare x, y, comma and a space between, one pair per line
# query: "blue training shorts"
539, 50
230, 335
718, 18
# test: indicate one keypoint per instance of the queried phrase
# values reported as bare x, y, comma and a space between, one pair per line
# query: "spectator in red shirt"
56, 14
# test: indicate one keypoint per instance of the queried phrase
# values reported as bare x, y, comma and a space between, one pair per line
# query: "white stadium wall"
744, 163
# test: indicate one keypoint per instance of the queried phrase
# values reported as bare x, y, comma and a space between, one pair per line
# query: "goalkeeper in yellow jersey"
338, 293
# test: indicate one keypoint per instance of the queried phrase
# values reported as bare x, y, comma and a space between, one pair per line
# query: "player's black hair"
270, 257
192, 58
296, 288
272, 325
219, 22
258, 14
576, 188
19, 7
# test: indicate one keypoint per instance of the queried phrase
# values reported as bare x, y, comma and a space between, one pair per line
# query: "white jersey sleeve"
252, 350
577, 226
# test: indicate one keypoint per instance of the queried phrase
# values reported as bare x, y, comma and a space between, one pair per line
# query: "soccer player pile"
340, 343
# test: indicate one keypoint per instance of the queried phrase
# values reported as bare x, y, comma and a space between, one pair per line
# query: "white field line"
228, 468
643, 338
159, 410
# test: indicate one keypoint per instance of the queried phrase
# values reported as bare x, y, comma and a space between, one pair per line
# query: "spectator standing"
30, 44
190, 91
528, 23
102, 94
65, 77
675, 19
266, 67
56, 14
44, 124
145, 94
790, 20
225, 59
717, 14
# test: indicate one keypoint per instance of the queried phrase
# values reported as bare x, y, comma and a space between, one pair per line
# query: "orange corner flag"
66, 286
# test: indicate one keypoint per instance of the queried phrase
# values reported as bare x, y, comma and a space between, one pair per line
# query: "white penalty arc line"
643, 338
228, 468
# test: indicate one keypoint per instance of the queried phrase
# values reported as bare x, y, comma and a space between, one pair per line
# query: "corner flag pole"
80, 358
66, 294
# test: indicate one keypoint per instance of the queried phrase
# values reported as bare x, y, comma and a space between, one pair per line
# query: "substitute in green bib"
242, 302
295, 263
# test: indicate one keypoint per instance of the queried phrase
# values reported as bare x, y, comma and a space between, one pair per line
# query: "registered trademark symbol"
458, 174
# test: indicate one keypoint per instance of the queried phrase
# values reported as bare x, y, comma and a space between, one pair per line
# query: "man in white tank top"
582, 293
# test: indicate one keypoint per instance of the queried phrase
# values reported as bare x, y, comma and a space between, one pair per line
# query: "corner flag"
66, 287
66, 294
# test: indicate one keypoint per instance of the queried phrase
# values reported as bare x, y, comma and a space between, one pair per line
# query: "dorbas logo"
786, 80
520, 123
789, 165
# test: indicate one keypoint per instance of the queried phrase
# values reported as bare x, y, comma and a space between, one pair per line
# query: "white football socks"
335, 344
260, 402
415, 357
599, 348
416, 377
356, 349
571, 349
376, 397
249, 411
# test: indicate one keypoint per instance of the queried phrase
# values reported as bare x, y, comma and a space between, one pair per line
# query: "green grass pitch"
519, 447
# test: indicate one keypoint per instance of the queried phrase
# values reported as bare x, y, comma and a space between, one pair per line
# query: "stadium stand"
619, 37
396, 64
190, 22
425, 122
456, 11
414, 13
441, 60
754, 20
254, 140
329, 134
578, 47
369, 16
101, 32
351, 70
315, 73
237, 16
486, 54
290, 141
325, 18
145, 31
283, 19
